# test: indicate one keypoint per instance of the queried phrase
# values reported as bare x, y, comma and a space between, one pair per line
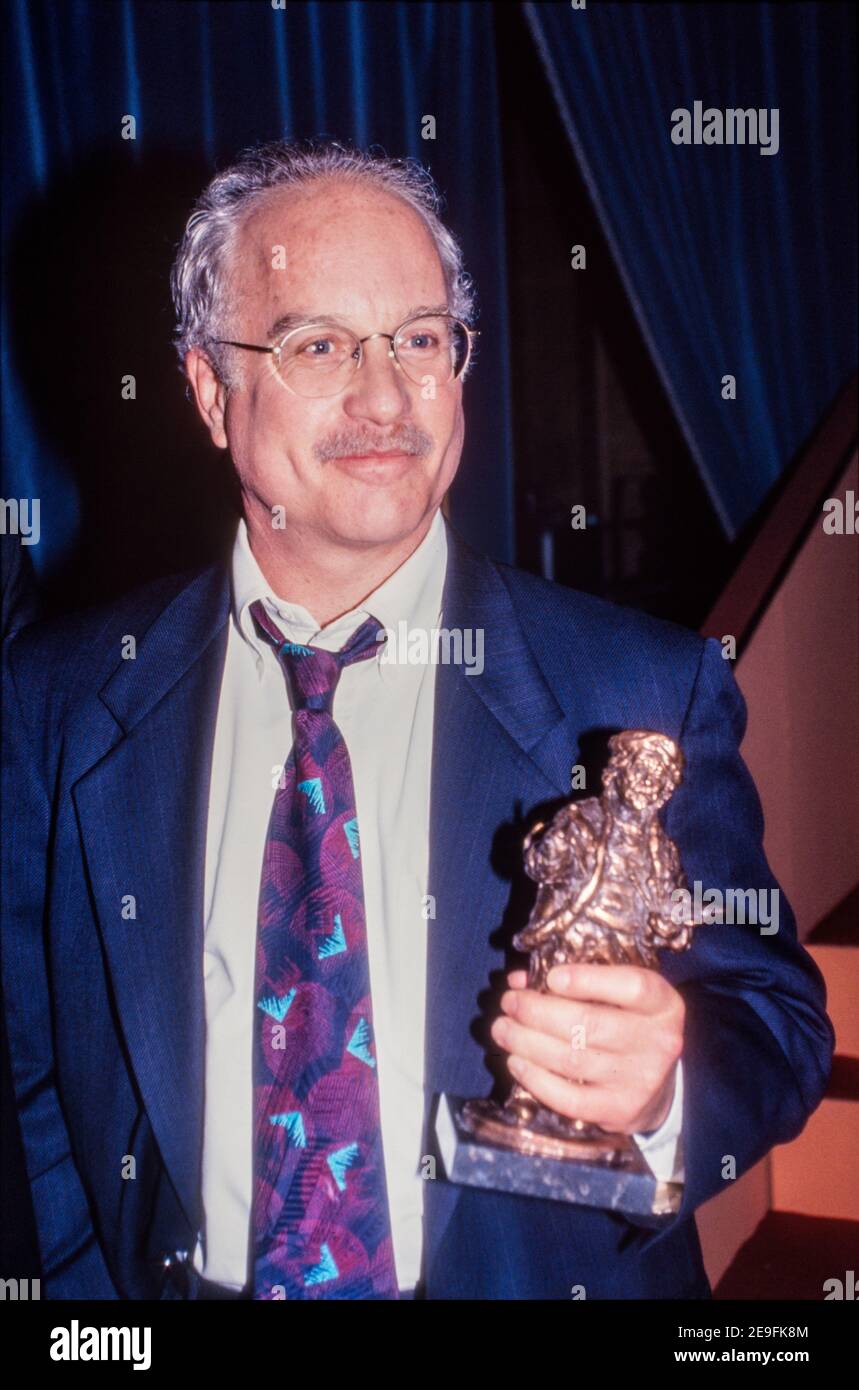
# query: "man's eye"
323, 348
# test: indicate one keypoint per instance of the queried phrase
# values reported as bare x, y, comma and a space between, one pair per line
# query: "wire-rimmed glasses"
319, 358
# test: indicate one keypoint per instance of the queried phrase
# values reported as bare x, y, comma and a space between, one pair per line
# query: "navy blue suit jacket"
107, 768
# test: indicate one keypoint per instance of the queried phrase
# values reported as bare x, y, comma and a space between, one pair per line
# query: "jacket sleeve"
758, 1043
72, 1262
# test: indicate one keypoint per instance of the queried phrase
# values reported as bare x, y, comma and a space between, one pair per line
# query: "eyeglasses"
319, 359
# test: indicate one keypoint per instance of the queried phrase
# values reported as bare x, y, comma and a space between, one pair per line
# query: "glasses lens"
432, 348
319, 359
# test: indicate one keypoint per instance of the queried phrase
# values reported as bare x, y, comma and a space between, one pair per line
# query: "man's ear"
210, 394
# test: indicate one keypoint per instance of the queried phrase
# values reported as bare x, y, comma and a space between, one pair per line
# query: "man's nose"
378, 390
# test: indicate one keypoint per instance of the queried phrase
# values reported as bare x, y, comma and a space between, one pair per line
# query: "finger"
578, 1064
517, 979
595, 1025
593, 1104
625, 986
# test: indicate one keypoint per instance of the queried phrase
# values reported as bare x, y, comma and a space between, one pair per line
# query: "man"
255, 880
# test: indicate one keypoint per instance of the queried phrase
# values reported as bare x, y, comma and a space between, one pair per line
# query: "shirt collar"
411, 595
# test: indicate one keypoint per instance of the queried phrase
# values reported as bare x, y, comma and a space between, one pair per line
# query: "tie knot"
312, 672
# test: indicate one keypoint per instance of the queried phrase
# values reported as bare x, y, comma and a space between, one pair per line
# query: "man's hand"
616, 1028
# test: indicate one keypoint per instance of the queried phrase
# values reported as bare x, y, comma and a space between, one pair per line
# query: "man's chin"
383, 520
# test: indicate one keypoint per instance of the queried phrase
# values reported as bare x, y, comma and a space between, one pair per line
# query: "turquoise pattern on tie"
359, 1044
312, 789
335, 943
340, 1162
294, 1126
325, 1270
350, 830
277, 1008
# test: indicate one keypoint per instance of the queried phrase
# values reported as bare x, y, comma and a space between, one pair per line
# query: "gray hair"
200, 276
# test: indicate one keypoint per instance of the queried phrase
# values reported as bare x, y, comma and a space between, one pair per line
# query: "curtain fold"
202, 81
737, 262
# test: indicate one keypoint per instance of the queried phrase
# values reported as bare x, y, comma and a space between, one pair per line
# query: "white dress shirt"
384, 711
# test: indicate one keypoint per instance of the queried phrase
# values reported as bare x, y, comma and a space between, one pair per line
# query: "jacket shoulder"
553, 614
66, 658
610, 665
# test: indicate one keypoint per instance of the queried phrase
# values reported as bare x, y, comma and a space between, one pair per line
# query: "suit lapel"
142, 811
501, 746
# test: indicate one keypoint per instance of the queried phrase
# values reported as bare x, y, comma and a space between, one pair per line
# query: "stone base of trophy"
483, 1144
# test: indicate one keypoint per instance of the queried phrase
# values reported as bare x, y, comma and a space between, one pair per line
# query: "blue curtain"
736, 262
89, 219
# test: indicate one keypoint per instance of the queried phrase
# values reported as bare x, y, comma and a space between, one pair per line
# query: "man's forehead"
338, 254
329, 218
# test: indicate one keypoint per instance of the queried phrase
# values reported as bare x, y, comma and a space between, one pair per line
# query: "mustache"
407, 439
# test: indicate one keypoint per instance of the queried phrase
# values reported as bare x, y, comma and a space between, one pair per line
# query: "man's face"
364, 259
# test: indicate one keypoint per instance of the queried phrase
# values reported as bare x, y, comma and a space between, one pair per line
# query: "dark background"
591, 422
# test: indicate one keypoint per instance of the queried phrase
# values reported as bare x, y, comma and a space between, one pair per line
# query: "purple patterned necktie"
321, 1223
